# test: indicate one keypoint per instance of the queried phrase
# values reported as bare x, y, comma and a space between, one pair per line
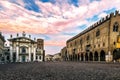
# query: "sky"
55, 21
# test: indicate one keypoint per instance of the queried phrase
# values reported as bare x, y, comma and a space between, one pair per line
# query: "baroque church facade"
99, 42
24, 49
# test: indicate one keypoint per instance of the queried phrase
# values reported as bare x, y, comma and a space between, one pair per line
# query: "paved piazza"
60, 71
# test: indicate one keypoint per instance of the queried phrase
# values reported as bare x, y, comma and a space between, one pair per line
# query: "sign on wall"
117, 45
118, 42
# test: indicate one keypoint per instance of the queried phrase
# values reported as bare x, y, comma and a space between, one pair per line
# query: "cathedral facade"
99, 42
24, 49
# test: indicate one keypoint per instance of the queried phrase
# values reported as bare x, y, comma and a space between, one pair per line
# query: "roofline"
20, 37
91, 27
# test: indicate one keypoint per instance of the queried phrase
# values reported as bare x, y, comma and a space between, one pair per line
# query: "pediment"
21, 39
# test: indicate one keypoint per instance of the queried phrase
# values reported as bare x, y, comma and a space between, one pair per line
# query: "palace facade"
2, 41
99, 42
24, 49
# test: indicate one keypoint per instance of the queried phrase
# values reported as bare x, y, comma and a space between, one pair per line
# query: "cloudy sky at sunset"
55, 21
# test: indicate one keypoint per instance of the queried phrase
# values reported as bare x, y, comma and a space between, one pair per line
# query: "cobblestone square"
60, 71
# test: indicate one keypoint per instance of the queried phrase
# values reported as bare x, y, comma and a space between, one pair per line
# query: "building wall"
16, 47
64, 54
2, 40
40, 47
49, 57
100, 45
40, 43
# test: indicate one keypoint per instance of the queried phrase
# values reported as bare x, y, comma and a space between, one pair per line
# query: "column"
93, 57
98, 57
84, 57
79, 57
17, 53
34, 54
29, 54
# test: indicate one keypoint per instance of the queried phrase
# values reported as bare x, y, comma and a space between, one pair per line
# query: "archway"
96, 56
116, 54
76, 57
91, 56
82, 57
102, 56
86, 57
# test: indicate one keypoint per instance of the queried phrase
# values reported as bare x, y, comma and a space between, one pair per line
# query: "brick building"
99, 42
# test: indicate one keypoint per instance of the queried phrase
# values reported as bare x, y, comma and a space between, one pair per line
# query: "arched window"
115, 27
88, 38
23, 50
97, 33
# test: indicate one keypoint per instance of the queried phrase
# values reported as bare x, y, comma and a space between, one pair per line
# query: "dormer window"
115, 27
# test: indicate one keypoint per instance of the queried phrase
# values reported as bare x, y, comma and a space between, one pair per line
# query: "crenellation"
111, 14
102, 20
97, 23
116, 12
107, 17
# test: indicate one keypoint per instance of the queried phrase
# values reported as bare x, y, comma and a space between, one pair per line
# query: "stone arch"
86, 57
75, 57
116, 54
96, 56
91, 56
82, 57
102, 55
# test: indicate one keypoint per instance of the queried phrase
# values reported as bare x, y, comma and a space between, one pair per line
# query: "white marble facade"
24, 49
